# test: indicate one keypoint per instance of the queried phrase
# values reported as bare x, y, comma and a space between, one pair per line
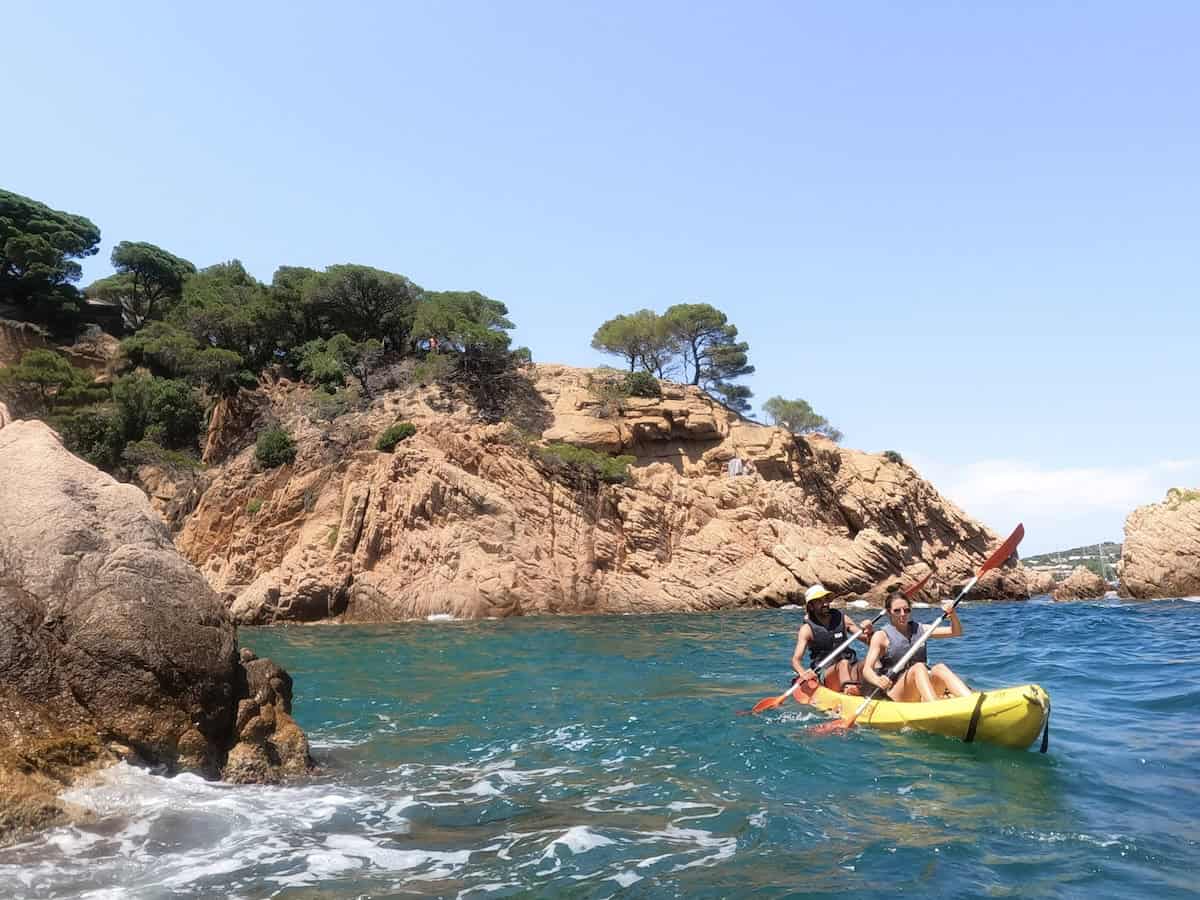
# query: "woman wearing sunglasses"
917, 682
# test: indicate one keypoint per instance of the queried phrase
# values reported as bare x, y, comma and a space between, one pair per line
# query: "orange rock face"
1161, 553
465, 519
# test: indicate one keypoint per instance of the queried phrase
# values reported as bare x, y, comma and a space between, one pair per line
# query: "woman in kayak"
823, 630
917, 682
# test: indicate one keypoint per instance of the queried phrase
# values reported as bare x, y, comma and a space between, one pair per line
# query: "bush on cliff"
394, 435
642, 384
274, 448
893, 456
610, 469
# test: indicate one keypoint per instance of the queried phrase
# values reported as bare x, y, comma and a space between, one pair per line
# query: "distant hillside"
1061, 562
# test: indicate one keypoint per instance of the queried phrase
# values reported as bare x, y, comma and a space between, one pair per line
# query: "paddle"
806, 687
1000, 556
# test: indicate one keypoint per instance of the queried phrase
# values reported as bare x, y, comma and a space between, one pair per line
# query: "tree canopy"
361, 302
641, 338
224, 306
38, 249
708, 342
148, 281
464, 321
798, 417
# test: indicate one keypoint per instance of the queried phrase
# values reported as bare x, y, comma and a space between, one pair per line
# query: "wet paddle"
804, 688
999, 557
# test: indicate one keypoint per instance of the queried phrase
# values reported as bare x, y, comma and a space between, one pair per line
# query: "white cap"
816, 592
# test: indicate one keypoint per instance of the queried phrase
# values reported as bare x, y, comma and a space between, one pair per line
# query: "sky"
965, 232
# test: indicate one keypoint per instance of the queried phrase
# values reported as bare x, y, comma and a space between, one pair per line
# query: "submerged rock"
113, 644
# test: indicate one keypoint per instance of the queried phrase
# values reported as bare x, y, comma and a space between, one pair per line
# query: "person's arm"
802, 640
879, 643
954, 629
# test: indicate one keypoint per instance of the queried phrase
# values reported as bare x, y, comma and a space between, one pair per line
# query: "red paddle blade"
911, 591
766, 703
1004, 551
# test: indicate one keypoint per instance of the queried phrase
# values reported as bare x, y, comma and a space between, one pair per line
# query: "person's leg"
853, 682
947, 683
836, 677
915, 686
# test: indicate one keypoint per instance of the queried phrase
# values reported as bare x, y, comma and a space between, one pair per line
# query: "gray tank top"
898, 645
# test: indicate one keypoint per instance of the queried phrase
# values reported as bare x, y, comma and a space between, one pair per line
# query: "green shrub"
331, 537
253, 506
94, 434
274, 447
893, 456
642, 384
611, 469
434, 368
610, 390
166, 410
148, 452
327, 405
391, 437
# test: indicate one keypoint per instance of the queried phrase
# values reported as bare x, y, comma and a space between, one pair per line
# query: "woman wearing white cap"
823, 629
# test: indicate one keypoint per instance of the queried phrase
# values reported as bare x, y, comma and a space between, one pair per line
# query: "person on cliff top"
823, 630
917, 682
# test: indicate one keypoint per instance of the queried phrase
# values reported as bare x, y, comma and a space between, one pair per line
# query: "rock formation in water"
1039, 583
113, 645
1161, 553
468, 519
1081, 584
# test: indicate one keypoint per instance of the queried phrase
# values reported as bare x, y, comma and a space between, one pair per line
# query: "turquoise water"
592, 757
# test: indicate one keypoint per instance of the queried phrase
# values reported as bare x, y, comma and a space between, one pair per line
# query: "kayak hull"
1009, 717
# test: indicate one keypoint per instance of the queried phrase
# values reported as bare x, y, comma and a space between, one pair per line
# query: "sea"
603, 756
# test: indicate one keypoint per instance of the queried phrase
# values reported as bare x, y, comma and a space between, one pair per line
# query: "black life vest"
825, 639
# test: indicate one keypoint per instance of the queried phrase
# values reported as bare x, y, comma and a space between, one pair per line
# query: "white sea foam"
859, 604
579, 839
440, 617
167, 834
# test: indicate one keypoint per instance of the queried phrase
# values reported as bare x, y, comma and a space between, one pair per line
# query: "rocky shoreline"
114, 646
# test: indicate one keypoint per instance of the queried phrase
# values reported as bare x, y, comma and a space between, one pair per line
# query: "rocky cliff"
1161, 553
469, 519
113, 645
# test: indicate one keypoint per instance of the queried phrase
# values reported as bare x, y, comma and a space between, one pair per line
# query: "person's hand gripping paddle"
998, 558
803, 688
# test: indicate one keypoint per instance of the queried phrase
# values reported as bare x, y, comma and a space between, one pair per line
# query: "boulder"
113, 644
1161, 553
1081, 584
1040, 583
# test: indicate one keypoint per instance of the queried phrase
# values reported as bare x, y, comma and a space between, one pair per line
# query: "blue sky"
963, 233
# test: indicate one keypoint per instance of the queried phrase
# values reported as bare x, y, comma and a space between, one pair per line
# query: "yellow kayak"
1010, 717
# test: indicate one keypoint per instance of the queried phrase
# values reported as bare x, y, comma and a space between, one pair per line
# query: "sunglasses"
901, 609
